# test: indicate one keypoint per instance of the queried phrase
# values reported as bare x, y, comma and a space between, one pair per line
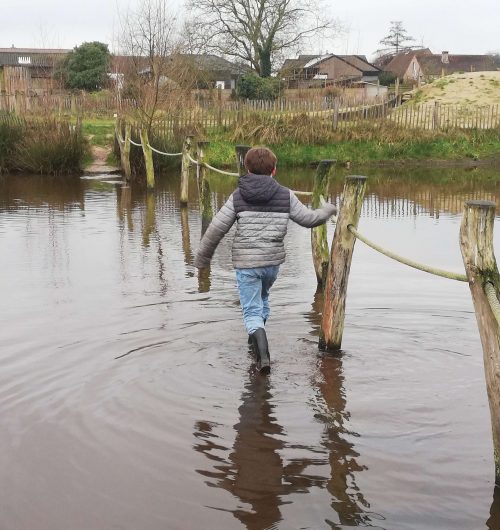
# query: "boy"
261, 208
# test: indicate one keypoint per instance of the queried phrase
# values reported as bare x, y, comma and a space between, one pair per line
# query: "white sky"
462, 28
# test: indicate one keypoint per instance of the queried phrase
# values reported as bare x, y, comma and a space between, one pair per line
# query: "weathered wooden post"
476, 243
186, 148
124, 147
241, 151
319, 241
205, 197
332, 324
148, 159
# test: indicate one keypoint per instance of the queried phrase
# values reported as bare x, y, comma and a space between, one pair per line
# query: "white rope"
491, 295
192, 160
133, 143
405, 261
163, 153
221, 171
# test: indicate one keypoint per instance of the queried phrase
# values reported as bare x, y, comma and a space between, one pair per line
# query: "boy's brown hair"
260, 161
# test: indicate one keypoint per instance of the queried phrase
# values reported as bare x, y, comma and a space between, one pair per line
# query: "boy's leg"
268, 278
250, 289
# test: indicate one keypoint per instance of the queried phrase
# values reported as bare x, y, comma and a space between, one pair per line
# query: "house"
422, 65
406, 65
185, 70
29, 70
321, 70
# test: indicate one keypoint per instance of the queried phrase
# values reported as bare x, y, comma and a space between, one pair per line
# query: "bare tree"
256, 32
148, 40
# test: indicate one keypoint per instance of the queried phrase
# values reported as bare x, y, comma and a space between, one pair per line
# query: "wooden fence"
340, 113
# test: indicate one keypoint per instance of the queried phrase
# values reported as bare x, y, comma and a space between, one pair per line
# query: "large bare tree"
256, 32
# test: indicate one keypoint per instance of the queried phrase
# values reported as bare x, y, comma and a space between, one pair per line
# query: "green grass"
99, 131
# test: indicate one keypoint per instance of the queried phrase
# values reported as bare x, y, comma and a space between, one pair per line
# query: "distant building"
422, 65
323, 70
29, 70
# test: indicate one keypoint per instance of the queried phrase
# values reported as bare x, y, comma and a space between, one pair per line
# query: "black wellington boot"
250, 336
261, 349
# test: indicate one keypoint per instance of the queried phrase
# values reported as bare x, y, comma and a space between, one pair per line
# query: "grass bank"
41, 145
303, 141
365, 146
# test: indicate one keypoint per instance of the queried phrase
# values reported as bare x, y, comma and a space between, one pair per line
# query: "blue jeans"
253, 286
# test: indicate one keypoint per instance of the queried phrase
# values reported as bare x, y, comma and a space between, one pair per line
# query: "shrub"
251, 86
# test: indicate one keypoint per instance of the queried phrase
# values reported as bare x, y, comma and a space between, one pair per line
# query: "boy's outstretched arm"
309, 218
219, 226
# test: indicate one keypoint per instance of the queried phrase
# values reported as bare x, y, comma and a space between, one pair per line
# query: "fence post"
336, 106
319, 241
148, 159
435, 116
476, 243
241, 151
332, 324
205, 197
125, 147
186, 148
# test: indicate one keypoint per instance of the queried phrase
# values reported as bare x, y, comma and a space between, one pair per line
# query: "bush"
387, 78
251, 86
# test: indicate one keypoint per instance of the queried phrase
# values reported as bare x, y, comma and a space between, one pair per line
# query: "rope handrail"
192, 160
162, 152
425, 268
119, 138
135, 143
221, 171
491, 295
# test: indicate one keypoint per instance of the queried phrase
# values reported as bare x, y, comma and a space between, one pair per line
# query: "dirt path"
99, 165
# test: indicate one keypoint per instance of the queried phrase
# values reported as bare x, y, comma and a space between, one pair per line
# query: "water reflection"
255, 471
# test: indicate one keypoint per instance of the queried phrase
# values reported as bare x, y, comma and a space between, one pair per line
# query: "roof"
214, 63
309, 61
30, 56
400, 62
433, 65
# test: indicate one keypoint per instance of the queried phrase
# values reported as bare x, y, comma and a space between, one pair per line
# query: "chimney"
444, 58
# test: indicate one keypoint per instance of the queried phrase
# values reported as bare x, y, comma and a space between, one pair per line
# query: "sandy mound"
475, 88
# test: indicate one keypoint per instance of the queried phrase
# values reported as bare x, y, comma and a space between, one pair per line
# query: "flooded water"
128, 399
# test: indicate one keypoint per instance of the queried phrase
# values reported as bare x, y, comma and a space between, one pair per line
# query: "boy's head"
260, 161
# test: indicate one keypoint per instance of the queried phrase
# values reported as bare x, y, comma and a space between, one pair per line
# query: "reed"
41, 145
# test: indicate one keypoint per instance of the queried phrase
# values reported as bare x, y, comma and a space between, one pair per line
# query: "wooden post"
148, 159
435, 116
186, 148
319, 241
476, 243
125, 147
205, 196
332, 325
241, 151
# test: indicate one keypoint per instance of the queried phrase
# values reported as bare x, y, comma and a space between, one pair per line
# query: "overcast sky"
468, 28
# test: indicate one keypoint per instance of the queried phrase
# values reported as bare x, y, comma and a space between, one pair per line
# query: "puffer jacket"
261, 207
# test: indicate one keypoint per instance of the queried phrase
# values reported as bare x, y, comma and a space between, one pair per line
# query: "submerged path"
99, 165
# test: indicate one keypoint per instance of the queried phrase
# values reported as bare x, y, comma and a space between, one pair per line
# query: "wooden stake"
186, 148
319, 241
476, 243
148, 159
125, 152
205, 196
332, 325
241, 151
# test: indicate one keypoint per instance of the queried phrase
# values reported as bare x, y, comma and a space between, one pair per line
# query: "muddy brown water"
128, 398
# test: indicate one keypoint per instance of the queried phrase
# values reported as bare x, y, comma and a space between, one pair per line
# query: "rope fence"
163, 153
425, 268
491, 295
